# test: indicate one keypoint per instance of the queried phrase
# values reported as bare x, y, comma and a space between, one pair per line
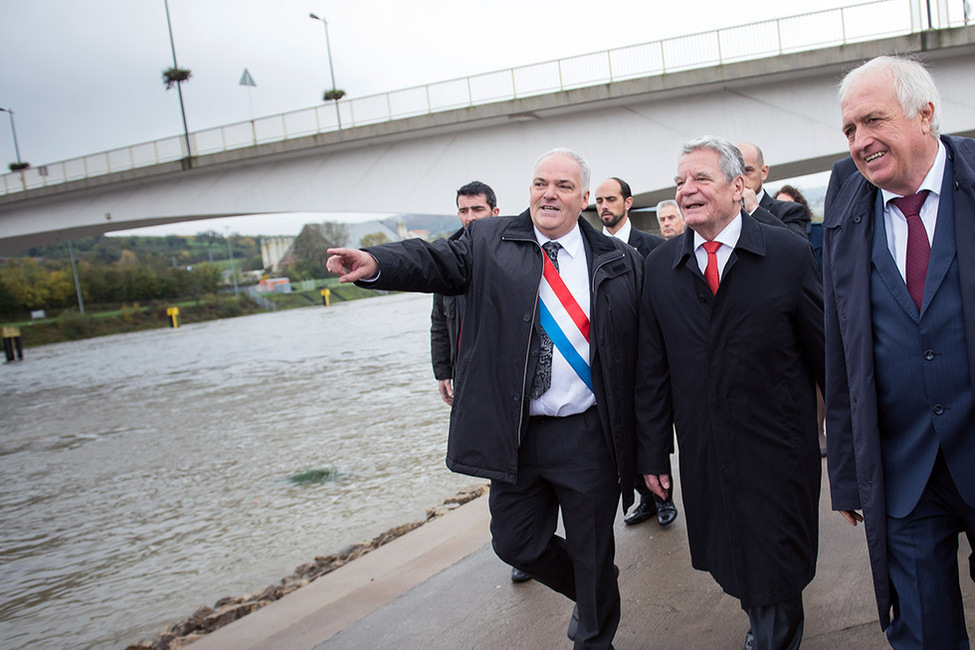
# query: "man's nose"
861, 139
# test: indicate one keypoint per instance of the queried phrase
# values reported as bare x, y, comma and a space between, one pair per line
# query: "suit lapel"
943, 246
884, 262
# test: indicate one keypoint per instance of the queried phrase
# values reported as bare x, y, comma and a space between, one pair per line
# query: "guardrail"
805, 32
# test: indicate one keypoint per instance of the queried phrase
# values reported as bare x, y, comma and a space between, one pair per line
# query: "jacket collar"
751, 239
521, 228
863, 192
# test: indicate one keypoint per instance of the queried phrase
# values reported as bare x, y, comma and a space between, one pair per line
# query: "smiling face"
611, 205
557, 197
707, 201
892, 150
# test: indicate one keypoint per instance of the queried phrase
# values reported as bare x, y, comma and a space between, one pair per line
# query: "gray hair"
663, 204
585, 174
730, 160
912, 82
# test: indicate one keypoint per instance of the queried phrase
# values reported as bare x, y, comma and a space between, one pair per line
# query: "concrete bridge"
627, 111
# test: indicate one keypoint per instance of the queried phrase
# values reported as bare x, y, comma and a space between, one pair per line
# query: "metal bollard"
173, 313
12, 343
326, 297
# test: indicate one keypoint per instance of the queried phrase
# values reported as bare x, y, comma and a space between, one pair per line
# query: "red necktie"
711, 270
918, 247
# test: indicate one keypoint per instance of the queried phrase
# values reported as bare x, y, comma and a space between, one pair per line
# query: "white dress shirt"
622, 234
568, 394
895, 223
728, 238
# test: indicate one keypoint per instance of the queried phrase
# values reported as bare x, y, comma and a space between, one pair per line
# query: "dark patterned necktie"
918, 246
542, 380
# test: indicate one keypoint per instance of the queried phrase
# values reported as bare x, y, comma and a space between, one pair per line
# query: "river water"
147, 474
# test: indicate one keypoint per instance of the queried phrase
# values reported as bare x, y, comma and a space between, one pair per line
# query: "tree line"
117, 270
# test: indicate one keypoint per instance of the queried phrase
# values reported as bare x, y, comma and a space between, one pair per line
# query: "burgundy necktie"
918, 247
711, 270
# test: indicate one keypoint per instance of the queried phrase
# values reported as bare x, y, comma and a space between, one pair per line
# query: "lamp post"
331, 69
13, 129
179, 86
233, 270
77, 285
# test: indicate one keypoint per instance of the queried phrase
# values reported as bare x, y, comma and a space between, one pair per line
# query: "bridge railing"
805, 32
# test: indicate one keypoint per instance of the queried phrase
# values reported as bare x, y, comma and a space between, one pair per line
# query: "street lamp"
328, 48
13, 129
333, 94
179, 86
77, 285
233, 269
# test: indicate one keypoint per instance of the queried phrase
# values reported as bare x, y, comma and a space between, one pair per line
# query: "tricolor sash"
564, 321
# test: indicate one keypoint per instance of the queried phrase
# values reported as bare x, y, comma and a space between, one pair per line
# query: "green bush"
74, 325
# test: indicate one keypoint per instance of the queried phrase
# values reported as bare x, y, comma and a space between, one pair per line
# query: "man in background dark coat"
792, 215
614, 198
731, 346
475, 200
900, 398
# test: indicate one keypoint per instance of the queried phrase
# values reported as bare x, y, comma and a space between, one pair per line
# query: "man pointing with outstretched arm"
543, 390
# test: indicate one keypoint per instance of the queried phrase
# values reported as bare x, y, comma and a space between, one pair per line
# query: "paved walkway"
441, 587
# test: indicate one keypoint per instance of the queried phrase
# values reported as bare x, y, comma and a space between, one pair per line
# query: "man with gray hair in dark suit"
899, 279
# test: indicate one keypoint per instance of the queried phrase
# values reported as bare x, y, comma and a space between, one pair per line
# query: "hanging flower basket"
172, 76
333, 95
17, 166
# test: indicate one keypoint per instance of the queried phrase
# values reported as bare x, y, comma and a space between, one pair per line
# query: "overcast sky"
84, 76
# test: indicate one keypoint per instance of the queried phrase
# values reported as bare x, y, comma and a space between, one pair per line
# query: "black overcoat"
497, 267
735, 373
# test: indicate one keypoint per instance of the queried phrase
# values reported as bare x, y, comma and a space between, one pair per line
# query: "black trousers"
778, 626
564, 463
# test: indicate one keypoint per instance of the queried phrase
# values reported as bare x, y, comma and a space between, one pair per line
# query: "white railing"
745, 42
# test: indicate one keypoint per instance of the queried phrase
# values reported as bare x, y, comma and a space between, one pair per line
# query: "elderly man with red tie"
731, 349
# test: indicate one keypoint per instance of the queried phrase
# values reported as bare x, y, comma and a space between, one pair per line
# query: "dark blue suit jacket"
856, 469
643, 241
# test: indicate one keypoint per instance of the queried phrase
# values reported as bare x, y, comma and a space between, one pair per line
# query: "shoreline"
228, 609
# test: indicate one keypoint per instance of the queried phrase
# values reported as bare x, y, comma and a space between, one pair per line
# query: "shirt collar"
571, 241
932, 182
729, 236
623, 233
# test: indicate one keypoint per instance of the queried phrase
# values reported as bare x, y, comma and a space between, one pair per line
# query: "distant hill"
435, 224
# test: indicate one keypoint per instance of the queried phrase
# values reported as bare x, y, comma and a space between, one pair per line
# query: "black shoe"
573, 624
749, 641
666, 512
642, 512
517, 575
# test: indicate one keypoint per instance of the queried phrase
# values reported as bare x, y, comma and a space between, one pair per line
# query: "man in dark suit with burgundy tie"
543, 393
899, 278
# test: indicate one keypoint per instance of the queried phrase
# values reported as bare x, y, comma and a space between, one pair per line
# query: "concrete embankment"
440, 587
